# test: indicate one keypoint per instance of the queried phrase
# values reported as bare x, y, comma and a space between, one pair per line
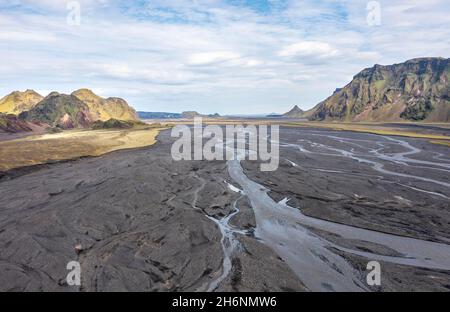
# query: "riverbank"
128, 217
71, 144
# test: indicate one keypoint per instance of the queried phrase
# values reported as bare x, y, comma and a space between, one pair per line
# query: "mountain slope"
12, 124
295, 112
105, 109
415, 90
17, 101
60, 110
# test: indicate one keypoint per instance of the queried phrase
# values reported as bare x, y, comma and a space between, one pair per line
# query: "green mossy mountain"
60, 110
417, 90
78, 110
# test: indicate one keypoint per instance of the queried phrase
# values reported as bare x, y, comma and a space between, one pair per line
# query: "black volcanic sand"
361, 196
140, 219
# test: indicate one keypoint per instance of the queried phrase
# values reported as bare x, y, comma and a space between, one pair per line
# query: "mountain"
78, 110
10, 123
17, 101
60, 110
416, 90
105, 109
295, 112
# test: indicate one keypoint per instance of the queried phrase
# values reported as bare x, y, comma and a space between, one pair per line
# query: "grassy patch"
445, 143
72, 144
371, 128
116, 124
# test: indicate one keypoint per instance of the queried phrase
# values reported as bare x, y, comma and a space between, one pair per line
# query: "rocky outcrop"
11, 124
417, 90
77, 110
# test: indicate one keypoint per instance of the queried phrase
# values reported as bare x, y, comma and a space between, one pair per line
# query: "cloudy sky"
234, 56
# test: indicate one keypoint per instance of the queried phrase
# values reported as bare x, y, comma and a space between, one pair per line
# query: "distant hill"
158, 115
193, 114
17, 102
190, 114
295, 112
417, 90
274, 115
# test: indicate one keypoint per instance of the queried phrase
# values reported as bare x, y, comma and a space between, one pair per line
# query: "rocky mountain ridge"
77, 110
416, 90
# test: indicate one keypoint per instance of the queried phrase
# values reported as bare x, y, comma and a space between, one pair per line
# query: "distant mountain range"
158, 115
165, 115
417, 90
78, 110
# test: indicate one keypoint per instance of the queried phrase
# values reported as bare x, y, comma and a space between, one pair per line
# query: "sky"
224, 56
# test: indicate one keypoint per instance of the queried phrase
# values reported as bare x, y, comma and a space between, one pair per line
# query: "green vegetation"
54, 130
418, 110
445, 143
82, 109
116, 124
379, 84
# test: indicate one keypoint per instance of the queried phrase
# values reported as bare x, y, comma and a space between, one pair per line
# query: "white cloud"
252, 63
209, 58
27, 36
309, 49
179, 55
